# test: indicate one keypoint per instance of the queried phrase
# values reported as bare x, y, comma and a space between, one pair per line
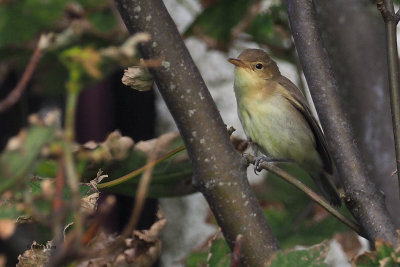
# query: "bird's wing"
298, 100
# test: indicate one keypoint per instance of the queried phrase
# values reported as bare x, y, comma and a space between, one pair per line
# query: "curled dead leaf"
138, 78
89, 204
115, 147
37, 255
153, 233
163, 143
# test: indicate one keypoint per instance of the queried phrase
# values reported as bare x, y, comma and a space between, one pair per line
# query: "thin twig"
387, 9
58, 204
16, 93
103, 211
141, 194
302, 187
139, 202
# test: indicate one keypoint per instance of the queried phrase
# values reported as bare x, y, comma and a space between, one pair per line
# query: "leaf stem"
135, 173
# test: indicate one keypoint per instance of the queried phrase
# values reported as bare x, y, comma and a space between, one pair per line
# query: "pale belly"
279, 130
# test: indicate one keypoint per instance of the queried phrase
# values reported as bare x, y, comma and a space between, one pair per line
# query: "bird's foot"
259, 160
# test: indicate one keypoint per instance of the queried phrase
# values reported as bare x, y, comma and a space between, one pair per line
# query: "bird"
278, 121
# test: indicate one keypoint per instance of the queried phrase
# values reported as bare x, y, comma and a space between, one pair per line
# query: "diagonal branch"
311, 194
218, 170
362, 197
16, 93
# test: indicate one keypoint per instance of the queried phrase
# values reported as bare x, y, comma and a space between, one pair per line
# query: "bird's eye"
259, 66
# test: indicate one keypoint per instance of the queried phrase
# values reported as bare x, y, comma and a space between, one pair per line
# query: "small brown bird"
276, 118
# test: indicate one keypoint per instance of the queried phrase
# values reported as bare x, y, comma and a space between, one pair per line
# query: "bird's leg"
261, 159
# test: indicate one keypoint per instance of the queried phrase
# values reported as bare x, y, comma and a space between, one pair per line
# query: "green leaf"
16, 164
220, 254
384, 256
171, 177
22, 20
103, 20
197, 258
264, 30
311, 257
215, 22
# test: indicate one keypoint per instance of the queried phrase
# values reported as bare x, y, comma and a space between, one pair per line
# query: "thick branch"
362, 198
217, 167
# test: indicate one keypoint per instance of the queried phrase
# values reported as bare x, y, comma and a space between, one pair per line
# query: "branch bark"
354, 57
362, 198
219, 173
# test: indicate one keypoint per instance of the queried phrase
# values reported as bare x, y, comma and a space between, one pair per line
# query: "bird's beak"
237, 62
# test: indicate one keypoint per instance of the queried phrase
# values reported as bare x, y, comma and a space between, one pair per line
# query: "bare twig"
391, 20
139, 202
16, 93
58, 204
314, 196
103, 211
362, 197
141, 193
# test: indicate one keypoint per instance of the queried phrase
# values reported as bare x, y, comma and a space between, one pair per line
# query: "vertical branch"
391, 19
362, 198
73, 89
219, 173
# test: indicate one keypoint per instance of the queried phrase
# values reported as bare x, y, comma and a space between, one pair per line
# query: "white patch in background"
336, 256
183, 12
186, 228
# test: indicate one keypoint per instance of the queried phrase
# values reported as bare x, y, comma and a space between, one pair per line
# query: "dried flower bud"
138, 78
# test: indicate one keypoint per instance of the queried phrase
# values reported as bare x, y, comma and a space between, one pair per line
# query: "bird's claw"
257, 163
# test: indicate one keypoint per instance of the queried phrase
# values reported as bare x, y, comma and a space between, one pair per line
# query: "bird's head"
255, 64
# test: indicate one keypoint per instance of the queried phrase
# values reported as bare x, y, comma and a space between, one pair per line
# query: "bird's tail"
328, 189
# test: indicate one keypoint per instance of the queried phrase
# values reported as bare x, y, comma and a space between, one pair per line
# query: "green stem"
72, 100
135, 173
73, 90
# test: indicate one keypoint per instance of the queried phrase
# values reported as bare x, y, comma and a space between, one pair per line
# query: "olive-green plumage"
276, 117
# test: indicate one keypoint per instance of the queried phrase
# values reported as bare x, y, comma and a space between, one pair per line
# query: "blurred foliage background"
89, 49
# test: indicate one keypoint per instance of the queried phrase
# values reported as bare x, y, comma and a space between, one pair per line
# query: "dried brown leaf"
153, 233
163, 142
89, 204
37, 255
349, 242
